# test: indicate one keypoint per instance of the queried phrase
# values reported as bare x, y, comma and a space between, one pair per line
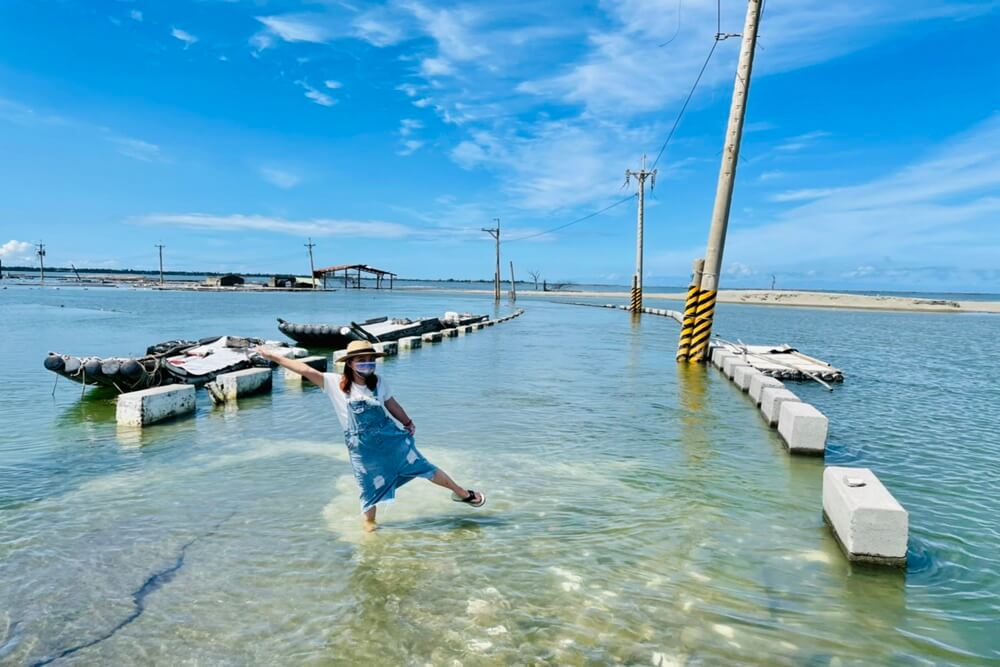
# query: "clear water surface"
640, 512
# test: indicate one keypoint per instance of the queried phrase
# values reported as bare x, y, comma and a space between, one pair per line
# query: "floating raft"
784, 362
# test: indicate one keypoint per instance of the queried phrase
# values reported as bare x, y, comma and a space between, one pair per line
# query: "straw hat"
359, 348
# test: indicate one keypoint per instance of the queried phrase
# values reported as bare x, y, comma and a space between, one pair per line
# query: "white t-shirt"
359, 392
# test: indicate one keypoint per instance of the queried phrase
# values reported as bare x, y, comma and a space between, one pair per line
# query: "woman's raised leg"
441, 478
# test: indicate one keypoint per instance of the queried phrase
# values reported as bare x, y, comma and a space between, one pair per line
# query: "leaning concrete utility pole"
495, 233
160, 246
724, 192
636, 302
513, 283
312, 267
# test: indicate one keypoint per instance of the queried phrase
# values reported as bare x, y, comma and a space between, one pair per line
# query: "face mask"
365, 367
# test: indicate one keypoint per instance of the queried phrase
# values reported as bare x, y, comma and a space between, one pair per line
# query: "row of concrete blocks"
392, 348
868, 522
149, 406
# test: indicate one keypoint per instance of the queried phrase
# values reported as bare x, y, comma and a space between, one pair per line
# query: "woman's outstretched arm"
397, 411
293, 365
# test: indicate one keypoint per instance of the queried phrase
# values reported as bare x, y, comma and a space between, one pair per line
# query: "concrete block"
760, 382
432, 337
869, 524
719, 356
489, 323
802, 427
731, 363
478, 325
743, 375
318, 363
462, 330
410, 342
389, 348
450, 333
230, 386
770, 402
139, 408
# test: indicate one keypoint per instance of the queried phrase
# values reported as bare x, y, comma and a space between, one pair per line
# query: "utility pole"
724, 191
160, 246
495, 233
641, 175
513, 288
312, 268
41, 258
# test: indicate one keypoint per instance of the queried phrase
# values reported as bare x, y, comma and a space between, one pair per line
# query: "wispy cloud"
317, 96
260, 223
280, 177
801, 141
183, 36
410, 146
333, 85
298, 27
135, 15
803, 195
17, 251
136, 149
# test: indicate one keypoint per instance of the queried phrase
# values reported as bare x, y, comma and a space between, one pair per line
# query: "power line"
573, 222
680, 115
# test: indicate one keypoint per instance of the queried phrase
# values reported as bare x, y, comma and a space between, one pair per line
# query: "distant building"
227, 280
281, 281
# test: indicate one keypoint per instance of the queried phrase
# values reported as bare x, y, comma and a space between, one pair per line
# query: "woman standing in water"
382, 454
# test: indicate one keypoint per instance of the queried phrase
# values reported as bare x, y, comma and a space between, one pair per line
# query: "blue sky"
391, 133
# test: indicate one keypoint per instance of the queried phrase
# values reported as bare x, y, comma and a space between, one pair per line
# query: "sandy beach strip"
795, 298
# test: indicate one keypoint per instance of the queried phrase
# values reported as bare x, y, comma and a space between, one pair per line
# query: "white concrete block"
299, 352
139, 408
771, 399
410, 342
464, 329
318, 363
869, 524
743, 375
719, 355
489, 323
478, 325
230, 386
760, 382
802, 427
731, 363
432, 337
389, 348
450, 333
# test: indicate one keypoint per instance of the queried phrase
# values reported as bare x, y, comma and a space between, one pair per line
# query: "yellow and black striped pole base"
636, 303
687, 324
702, 331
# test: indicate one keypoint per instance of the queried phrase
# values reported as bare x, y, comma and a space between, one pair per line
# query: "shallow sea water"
640, 512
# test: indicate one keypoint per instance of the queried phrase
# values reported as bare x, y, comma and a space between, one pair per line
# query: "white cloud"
379, 27
136, 149
409, 89
803, 194
422, 102
317, 96
183, 36
333, 85
17, 251
298, 27
410, 146
279, 177
135, 15
431, 67
260, 223
801, 141
739, 270
408, 125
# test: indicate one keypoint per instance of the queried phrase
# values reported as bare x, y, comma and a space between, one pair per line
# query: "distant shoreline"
794, 298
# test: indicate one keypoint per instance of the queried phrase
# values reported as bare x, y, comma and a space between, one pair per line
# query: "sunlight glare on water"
639, 511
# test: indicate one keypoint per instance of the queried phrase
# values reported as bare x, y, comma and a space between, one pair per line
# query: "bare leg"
441, 478
368, 523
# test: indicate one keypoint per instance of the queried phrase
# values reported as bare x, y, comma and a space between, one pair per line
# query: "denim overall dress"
382, 454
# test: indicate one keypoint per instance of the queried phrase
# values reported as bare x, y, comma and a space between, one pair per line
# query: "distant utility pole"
641, 175
772, 282
161, 246
495, 233
312, 268
724, 190
41, 257
513, 287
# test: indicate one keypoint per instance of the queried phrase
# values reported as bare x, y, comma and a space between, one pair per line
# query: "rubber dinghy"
376, 330
172, 362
